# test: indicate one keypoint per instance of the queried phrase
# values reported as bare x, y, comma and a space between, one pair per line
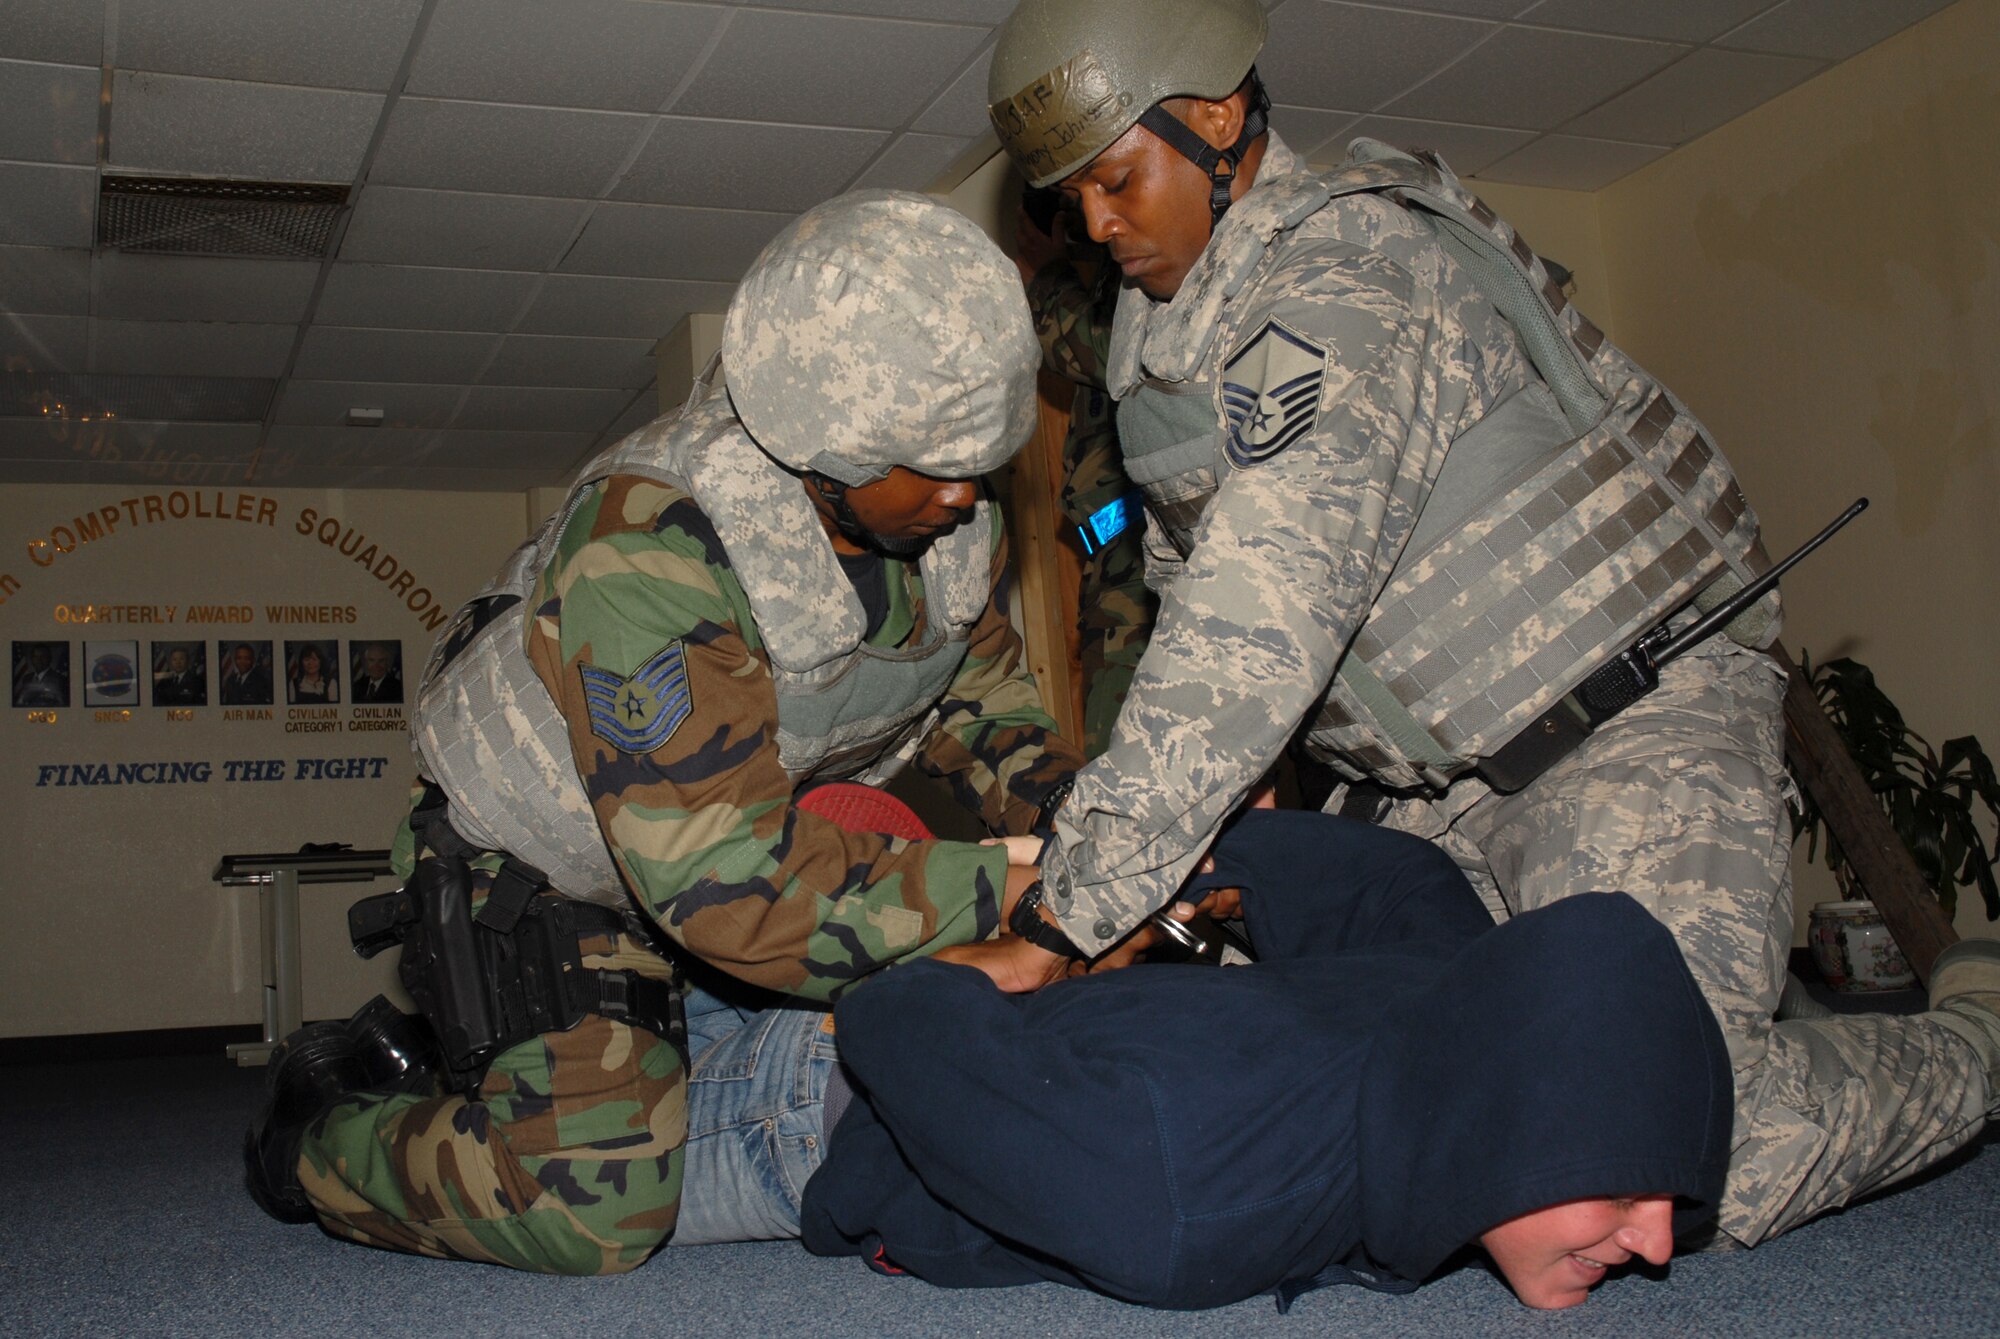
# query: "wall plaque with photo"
111, 674
180, 674
376, 671
244, 675
312, 672
41, 674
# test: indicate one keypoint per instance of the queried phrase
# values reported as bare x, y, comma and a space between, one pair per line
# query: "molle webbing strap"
1206, 156
1623, 514
1503, 277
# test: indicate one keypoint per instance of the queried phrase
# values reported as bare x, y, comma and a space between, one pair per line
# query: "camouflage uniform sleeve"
995, 745
1293, 549
646, 641
1075, 330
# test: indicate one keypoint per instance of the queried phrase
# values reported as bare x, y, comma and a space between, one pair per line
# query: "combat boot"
399, 1051
1965, 997
307, 1072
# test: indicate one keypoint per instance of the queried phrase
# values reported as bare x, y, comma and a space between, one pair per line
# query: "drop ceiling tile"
203, 288
45, 205
493, 147
184, 444
190, 348
1312, 132
540, 409
406, 478
1339, 55
913, 162
133, 450
671, 242
1534, 78
288, 446
408, 297
582, 304
1692, 97
1568, 163
1484, 9
486, 450
218, 127
945, 11
581, 53
745, 164
44, 280
57, 30
324, 404
961, 108
564, 360
23, 439
48, 113
823, 69
1674, 20
51, 440
355, 44
1468, 149
347, 353
637, 415
400, 226
1829, 29
44, 343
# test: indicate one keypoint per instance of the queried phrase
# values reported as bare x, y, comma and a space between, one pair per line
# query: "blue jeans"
756, 1090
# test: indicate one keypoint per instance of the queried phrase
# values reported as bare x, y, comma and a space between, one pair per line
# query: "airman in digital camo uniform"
794, 578
1405, 498
1115, 611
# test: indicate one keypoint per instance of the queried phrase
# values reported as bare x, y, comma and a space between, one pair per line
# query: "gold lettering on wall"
118, 717
99, 523
41, 718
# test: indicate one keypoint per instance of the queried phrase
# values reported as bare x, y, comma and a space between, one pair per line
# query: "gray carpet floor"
121, 1214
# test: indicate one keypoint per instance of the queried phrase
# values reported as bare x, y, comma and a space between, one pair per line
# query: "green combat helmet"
881, 329
1070, 76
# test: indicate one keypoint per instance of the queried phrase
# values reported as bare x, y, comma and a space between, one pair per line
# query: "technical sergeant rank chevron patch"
639, 713
1270, 391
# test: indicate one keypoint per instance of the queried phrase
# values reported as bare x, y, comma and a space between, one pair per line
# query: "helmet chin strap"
1220, 164
844, 520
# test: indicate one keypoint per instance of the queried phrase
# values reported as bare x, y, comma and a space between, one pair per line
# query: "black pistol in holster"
1627, 677
487, 982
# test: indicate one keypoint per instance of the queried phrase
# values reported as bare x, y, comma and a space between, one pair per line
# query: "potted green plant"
1935, 800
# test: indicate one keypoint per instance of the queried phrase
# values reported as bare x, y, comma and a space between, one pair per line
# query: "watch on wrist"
1027, 922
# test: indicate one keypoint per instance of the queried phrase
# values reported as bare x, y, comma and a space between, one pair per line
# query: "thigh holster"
486, 983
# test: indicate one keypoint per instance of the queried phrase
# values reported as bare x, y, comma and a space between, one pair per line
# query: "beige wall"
109, 920
1820, 280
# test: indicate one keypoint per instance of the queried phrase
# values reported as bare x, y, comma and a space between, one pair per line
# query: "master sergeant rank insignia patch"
1270, 391
638, 713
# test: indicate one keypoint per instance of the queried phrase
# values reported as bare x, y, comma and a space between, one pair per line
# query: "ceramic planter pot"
1854, 950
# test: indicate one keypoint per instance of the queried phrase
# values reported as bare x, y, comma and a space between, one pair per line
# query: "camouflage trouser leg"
1680, 802
1114, 621
567, 1161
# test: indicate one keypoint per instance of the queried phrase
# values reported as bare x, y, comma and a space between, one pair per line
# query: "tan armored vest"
488, 732
1572, 518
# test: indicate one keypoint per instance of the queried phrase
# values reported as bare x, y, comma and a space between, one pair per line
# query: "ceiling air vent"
218, 218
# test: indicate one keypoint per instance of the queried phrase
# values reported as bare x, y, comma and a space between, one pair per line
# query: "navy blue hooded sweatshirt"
1393, 1077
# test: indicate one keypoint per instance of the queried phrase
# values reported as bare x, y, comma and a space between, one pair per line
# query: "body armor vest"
488, 732
1575, 515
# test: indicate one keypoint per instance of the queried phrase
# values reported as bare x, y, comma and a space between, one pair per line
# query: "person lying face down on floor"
1395, 1079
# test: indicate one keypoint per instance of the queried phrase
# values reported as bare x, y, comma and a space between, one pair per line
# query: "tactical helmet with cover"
881, 329
1071, 76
